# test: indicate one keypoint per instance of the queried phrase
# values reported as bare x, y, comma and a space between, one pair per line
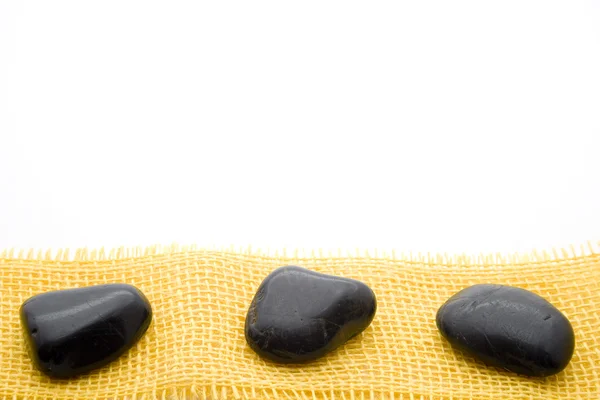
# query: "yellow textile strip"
195, 347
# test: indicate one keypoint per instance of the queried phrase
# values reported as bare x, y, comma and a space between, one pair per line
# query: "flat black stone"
73, 331
508, 327
299, 315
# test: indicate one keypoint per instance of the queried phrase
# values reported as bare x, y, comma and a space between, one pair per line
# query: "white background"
419, 126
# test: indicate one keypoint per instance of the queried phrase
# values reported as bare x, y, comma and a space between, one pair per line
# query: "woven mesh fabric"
195, 347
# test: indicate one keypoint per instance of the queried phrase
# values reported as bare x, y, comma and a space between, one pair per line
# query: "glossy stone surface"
73, 331
298, 315
508, 327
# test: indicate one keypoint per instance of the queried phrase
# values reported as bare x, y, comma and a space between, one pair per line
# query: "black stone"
73, 331
508, 327
299, 315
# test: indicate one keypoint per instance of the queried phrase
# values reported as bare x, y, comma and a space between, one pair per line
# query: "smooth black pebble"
298, 315
74, 331
508, 327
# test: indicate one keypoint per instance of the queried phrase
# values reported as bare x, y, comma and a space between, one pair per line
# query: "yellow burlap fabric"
195, 347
